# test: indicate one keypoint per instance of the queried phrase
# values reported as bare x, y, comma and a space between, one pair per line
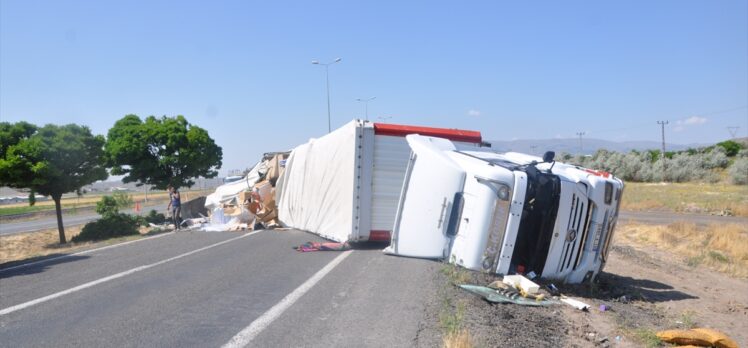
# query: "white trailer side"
345, 186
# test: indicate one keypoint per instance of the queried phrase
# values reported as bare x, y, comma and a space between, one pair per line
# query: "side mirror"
548, 156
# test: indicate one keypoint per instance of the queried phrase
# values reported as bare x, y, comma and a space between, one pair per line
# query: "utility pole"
581, 149
733, 131
662, 124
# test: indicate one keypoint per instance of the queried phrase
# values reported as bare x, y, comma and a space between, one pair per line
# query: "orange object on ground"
701, 337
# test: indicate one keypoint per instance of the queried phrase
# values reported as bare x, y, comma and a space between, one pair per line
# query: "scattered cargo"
249, 202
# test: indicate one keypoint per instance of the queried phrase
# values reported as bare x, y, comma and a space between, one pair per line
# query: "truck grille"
576, 232
585, 235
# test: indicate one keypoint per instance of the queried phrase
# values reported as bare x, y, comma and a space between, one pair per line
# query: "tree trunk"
60, 227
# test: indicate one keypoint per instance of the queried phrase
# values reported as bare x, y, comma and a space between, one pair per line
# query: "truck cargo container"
345, 185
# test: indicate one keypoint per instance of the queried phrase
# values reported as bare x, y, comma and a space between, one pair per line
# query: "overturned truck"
442, 194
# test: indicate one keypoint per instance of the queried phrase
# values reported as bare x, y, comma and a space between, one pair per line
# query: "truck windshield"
537, 223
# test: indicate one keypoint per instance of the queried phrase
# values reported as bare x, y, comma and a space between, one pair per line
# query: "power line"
643, 125
733, 131
581, 149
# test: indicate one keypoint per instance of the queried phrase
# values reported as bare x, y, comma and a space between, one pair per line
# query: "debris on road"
575, 303
504, 296
522, 284
249, 203
315, 246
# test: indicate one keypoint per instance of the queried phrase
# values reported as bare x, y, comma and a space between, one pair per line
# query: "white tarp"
316, 191
227, 192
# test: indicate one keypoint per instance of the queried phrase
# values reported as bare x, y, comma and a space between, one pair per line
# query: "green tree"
51, 160
731, 147
161, 151
12, 133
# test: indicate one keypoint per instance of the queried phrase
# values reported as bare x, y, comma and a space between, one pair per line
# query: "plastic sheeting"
316, 191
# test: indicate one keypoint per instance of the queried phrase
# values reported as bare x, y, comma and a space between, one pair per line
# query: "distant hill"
589, 146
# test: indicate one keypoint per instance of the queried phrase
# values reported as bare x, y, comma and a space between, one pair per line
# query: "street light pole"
366, 106
327, 83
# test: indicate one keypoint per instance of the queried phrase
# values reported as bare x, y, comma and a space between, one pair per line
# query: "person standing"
175, 206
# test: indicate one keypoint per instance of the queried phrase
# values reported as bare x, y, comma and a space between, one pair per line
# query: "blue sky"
513, 70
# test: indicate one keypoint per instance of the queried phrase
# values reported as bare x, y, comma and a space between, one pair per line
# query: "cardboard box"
520, 282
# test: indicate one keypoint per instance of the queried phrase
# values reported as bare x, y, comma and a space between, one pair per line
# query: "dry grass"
459, 339
722, 247
90, 200
23, 246
686, 197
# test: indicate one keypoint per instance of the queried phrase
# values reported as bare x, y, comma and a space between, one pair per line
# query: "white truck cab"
505, 213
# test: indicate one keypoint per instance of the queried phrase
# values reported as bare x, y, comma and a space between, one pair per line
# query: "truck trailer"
345, 186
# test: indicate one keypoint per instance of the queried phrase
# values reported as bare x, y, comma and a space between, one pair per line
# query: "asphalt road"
47, 222
187, 290
200, 289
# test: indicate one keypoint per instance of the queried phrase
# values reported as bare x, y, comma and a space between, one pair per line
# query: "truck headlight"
504, 192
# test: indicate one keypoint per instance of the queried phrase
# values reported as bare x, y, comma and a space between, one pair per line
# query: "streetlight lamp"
327, 79
366, 105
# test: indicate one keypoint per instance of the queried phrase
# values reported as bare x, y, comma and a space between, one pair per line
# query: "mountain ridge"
589, 145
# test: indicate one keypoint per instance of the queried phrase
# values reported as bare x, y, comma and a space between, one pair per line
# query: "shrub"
702, 165
110, 205
107, 206
738, 171
109, 226
716, 158
123, 199
155, 217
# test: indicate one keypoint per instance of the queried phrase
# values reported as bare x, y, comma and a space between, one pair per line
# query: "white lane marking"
250, 332
85, 252
115, 276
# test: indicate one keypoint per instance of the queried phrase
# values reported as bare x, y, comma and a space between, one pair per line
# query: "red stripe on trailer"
379, 236
399, 130
602, 173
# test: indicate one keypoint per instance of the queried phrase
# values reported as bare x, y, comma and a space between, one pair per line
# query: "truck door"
432, 183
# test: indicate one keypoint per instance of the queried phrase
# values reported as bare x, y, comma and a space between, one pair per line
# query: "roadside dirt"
647, 290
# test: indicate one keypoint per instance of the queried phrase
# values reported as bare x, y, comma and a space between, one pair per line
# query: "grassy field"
722, 247
686, 198
90, 201
23, 209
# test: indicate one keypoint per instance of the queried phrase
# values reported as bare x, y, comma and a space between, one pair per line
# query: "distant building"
119, 189
21, 199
